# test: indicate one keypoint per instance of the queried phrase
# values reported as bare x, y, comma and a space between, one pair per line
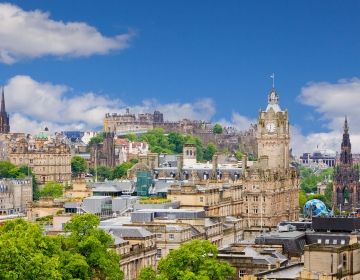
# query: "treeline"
171, 143
308, 185
87, 252
82, 253
118, 172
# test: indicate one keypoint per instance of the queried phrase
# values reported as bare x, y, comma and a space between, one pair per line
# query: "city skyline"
153, 56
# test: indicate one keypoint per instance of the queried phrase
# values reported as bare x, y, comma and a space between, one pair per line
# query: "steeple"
346, 156
2, 102
4, 117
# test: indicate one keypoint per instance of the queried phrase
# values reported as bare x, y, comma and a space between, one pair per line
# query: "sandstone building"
15, 195
271, 185
48, 157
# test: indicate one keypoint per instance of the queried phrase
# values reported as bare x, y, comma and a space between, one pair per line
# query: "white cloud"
238, 121
31, 34
332, 101
34, 105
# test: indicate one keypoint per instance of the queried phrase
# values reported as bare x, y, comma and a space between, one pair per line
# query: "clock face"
270, 127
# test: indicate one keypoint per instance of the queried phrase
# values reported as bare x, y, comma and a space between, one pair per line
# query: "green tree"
194, 260
238, 154
120, 171
209, 151
97, 139
176, 142
302, 199
328, 193
87, 240
158, 142
83, 253
103, 173
78, 166
25, 253
147, 273
217, 129
52, 189
131, 137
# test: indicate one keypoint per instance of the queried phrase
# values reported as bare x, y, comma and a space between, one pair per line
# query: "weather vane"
273, 79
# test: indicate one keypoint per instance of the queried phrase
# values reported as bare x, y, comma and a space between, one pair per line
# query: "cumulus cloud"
240, 122
34, 105
32, 34
331, 101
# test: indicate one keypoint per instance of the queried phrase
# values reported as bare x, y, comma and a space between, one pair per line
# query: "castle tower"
346, 192
4, 117
273, 134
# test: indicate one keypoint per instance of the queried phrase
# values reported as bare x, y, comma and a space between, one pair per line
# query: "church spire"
346, 156
2, 102
4, 117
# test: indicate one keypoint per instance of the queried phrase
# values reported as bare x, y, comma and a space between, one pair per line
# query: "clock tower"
273, 135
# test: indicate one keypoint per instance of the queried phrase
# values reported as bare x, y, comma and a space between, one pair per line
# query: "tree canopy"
217, 129
26, 253
78, 165
119, 171
173, 143
52, 189
310, 178
193, 260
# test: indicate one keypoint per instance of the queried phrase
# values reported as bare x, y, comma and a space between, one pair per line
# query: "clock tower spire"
273, 135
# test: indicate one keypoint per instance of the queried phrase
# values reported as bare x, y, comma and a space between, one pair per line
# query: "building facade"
271, 185
15, 195
346, 187
48, 157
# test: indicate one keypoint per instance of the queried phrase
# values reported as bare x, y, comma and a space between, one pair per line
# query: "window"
158, 253
327, 241
319, 241
344, 261
255, 210
255, 198
246, 199
158, 235
342, 242
242, 273
201, 199
171, 236
334, 241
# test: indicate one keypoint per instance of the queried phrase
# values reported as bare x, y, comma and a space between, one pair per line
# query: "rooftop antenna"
273, 79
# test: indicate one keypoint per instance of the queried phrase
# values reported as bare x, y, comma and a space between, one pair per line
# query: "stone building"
218, 200
346, 187
48, 157
329, 261
230, 138
15, 195
271, 185
4, 117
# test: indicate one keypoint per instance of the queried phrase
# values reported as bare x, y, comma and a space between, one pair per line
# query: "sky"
64, 64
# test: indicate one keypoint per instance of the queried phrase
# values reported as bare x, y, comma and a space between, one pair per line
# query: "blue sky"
187, 52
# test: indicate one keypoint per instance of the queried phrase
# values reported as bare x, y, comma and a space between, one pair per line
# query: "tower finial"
273, 79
